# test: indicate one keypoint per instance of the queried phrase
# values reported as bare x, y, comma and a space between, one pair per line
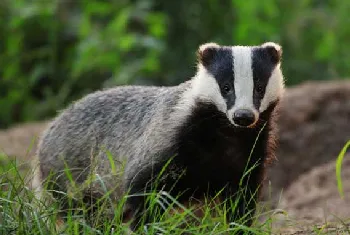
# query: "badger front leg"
135, 205
146, 181
134, 211
241, 203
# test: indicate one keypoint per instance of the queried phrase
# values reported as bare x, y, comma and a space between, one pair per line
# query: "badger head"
242, 81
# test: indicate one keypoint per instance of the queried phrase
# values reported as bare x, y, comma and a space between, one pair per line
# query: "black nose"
243, 117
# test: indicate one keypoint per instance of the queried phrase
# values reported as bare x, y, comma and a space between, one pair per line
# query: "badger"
209, 130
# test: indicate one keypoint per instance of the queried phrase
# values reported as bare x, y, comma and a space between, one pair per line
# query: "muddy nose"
243, 117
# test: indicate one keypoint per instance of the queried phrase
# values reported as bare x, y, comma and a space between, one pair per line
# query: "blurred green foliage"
54, 51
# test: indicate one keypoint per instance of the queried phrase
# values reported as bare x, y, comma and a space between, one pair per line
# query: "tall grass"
23, 212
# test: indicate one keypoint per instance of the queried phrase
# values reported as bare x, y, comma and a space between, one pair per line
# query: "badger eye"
259, 89
227, 88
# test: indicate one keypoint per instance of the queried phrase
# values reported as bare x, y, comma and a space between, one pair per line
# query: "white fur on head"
275, 86
274, 89
204, 87
244, 83
207, 45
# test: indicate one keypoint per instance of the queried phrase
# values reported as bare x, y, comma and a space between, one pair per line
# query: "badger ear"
274, 50
206, 53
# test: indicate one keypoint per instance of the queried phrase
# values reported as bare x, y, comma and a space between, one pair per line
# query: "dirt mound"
314, 195
313, 201
20, 141
314, 126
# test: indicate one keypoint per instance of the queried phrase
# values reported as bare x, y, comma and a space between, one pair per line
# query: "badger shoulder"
122, 120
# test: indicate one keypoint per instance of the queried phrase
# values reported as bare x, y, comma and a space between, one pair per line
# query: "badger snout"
244, 117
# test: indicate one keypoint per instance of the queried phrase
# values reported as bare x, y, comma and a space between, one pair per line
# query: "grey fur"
144, 119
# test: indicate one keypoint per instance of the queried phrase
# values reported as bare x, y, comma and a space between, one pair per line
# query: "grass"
338, 167
22, 212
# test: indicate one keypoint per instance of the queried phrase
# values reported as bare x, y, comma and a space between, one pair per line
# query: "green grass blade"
111, 162
338, 168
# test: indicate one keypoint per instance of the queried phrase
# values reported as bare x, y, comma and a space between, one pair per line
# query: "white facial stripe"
243, 74
204, 87
274, 89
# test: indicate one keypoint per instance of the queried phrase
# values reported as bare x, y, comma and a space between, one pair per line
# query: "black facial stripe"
222, 70
262, 67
